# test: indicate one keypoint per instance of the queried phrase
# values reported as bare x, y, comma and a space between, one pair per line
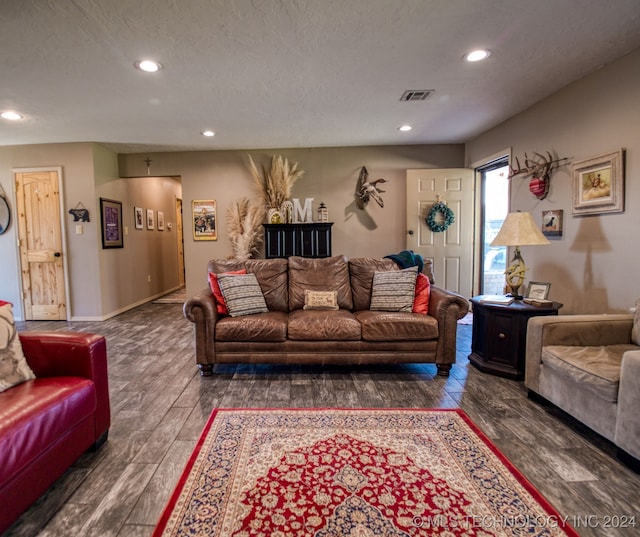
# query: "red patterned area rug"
346, 472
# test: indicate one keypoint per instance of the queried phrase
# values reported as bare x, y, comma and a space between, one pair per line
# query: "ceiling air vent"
416, 95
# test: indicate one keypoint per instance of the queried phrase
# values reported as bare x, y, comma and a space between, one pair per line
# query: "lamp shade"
519, 229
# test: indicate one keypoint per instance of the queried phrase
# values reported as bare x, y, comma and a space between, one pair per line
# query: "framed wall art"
151, 219
204, 220
111, 222
552, 223
138, 217
598, 184
160, 221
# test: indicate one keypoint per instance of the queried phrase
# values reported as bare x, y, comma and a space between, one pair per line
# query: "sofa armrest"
201, 310
75, 354
578, 330
447, 308
627, 435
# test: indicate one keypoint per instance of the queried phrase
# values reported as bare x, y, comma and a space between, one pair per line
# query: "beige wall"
101, 282
594, 267
330, 177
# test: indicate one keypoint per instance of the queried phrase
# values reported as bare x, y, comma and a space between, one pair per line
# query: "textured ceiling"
291, 73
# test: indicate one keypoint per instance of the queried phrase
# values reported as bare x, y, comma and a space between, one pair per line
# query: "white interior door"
451, 251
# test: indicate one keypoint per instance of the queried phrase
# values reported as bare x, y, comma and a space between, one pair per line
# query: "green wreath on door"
440, 217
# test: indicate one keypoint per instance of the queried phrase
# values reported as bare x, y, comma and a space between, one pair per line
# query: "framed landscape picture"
598, 184
111, 223
204, 220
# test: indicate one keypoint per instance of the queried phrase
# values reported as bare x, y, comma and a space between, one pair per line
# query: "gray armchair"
589, 366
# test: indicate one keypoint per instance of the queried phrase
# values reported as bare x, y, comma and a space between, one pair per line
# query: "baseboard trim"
125, 308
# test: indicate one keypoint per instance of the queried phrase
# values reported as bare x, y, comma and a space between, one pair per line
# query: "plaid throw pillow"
394, 290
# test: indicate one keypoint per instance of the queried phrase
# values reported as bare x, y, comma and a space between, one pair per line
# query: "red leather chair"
48, 422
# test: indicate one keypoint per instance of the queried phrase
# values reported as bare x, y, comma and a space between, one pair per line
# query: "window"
495, 206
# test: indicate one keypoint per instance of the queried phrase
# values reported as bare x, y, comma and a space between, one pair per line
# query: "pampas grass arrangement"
244, 226
275, 184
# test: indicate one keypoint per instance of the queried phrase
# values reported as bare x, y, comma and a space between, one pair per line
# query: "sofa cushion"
394, 290
270, 326
272, 275
327, 325
242, 294
596, 369
361, 270
14, 368
325, 274
35, 414
396, 326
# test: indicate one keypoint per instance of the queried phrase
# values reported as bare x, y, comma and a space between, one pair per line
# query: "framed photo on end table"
538, 290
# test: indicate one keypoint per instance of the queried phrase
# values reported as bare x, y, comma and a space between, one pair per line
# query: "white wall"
594, 267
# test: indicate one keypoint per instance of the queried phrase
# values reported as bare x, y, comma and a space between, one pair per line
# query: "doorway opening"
494, 179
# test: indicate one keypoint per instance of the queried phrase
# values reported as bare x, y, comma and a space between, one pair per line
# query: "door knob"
57, 254
410, 232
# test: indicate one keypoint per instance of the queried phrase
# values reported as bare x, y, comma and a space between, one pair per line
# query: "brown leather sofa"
353, 334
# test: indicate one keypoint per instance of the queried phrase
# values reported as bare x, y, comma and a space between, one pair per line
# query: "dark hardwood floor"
159, 405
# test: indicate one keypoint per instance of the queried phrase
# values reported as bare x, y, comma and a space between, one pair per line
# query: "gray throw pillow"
242, 294
394, 290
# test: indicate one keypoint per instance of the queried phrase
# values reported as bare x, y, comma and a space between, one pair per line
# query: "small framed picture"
138, 217
598, 184
151, 219
538, 290
552, 223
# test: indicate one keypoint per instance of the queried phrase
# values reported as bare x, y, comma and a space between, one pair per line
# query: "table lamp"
518, 229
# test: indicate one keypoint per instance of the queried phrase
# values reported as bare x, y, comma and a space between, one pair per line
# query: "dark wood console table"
305, 240
499, 336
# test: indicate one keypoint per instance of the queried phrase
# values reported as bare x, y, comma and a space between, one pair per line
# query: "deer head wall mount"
539, 168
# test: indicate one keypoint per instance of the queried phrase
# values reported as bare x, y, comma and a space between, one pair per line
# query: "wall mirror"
5, 215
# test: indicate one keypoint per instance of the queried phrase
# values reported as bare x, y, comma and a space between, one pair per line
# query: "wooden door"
451, 250
180, 239
40, 244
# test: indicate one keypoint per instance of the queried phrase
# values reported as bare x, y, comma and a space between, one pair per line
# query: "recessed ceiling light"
11, 115
149, 66
477, 55
208, 133
405, 128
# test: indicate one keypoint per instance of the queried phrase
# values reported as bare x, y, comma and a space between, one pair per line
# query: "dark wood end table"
499, 335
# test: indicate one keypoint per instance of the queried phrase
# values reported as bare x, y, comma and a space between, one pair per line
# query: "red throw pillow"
221, 307
423, 290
